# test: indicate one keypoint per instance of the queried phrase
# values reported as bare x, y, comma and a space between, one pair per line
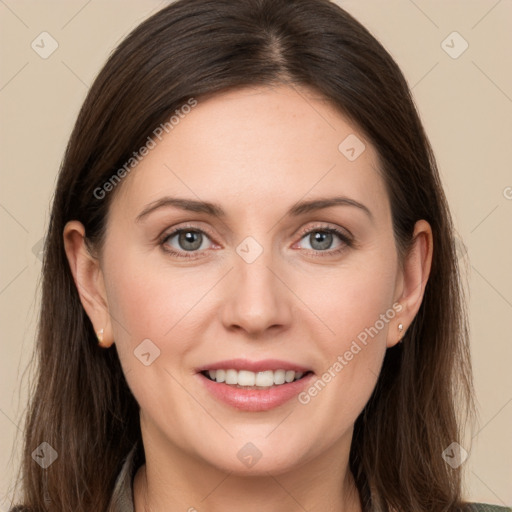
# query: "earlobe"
413, 279
89, 282
101, 339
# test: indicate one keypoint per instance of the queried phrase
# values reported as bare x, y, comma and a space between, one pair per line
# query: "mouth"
254, 386
245, 379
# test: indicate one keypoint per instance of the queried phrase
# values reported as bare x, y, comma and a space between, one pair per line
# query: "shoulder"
483, 507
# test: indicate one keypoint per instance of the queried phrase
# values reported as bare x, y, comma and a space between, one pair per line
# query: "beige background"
466, 107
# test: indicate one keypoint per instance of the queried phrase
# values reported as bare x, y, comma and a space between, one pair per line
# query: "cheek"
357, 307
351, 300
150, 306
147, 299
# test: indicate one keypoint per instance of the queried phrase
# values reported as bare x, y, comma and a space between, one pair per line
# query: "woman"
251, 297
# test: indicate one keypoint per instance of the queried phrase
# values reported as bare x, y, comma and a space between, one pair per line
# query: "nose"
257, 297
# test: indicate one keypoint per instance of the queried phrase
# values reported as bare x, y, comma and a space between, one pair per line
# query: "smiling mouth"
245, 379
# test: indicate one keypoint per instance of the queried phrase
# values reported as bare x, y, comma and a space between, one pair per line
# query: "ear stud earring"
400, 329
99, 335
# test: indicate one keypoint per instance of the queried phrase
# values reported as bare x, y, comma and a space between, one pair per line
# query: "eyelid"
166, 233
326, 226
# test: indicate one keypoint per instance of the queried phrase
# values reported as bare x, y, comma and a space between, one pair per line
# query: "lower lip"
255, 400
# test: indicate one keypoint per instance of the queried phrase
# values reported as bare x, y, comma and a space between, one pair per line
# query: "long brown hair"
81, 404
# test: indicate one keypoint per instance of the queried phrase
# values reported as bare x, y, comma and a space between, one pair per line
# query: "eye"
191, 242
185, 240
321, 238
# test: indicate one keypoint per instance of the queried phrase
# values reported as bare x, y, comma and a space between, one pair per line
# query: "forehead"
256, 148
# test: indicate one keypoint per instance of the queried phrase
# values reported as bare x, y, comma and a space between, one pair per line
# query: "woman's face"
264, 286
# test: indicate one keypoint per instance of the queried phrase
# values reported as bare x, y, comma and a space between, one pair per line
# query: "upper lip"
254, 366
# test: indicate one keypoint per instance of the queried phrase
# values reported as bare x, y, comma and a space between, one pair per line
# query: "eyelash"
347, 241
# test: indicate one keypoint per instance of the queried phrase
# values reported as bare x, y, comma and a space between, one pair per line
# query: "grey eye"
320, 240
188, 239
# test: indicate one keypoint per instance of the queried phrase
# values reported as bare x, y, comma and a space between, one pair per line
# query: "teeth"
279, 377
246, 378
265, 379
231, 377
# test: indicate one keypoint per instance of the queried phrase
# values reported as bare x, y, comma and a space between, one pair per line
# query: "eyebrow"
215, 210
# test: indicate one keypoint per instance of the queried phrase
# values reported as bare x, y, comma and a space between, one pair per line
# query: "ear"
412, 279
88, 278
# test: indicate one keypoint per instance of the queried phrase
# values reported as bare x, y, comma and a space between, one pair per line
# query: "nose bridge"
258, 298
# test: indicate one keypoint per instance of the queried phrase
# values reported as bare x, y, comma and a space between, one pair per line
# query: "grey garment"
122, 497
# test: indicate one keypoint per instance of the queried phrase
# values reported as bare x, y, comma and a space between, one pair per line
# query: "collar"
122, 496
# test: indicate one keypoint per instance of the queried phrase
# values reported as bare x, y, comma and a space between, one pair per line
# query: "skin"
255, 152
